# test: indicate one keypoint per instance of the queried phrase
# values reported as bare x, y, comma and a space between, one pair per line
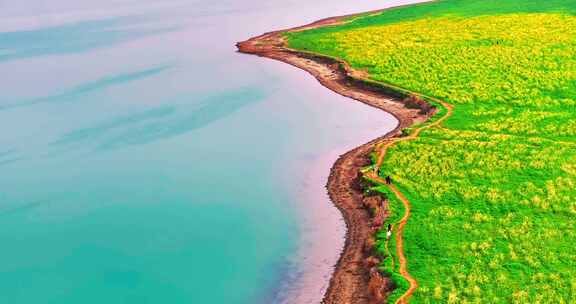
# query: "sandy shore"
349, 282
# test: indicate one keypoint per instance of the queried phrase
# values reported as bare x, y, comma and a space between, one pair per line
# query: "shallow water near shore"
142, 160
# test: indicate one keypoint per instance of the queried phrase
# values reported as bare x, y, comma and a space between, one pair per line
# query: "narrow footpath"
349, 282
374, 175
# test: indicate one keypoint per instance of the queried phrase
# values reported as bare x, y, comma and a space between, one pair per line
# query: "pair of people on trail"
389, 233
388, 180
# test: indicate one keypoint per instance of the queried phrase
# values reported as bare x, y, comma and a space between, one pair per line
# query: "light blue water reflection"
142, 160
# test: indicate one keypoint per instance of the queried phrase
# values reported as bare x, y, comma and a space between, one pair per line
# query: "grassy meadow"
493, 189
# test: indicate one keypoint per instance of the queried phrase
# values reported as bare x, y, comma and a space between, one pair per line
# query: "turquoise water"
142, 160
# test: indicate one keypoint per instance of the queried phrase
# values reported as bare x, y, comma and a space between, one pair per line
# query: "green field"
493, 189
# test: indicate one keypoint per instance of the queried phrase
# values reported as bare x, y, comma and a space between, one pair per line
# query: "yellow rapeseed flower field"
493, 190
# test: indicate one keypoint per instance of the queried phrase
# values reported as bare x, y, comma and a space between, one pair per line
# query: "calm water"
142, 160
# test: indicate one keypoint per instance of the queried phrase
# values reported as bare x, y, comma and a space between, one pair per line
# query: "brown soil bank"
355, 278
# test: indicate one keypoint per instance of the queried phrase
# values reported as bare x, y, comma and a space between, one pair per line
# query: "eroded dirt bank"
354, 278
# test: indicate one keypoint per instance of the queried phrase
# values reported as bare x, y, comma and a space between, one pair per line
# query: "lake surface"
142, 160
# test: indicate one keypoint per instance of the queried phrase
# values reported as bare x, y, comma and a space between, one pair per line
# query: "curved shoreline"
350, 280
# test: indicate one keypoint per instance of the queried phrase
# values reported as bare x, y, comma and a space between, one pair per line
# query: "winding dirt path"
349, 283
400, 249
374, 175
391, 141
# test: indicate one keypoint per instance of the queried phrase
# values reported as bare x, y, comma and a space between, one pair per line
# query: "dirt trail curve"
349, 282
374, 175
400, 249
